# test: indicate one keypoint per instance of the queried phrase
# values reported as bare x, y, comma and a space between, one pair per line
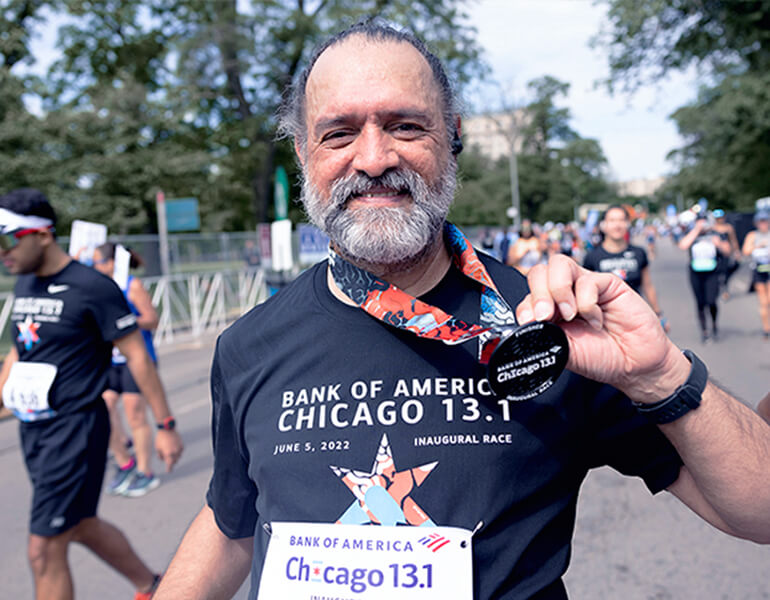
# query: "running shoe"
122, 479
148, 594
141, 484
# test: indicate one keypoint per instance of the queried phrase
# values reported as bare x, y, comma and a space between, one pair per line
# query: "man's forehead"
383, 64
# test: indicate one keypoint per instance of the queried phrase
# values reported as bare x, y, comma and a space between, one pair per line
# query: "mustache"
400, 180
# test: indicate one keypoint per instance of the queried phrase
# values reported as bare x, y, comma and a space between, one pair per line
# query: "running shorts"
121, 380
66, 458
761, 277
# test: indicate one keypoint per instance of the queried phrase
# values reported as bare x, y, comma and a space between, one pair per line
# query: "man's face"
615, 224
26, 256
379, 175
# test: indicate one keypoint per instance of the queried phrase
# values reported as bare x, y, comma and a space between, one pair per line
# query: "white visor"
11, 221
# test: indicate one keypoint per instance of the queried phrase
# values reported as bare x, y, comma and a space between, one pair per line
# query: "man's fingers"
540, 297
551, 291
562, 273
587, 295
524, 311
564, 289
169, 451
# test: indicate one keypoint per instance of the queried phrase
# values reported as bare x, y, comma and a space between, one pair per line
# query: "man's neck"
614, 246
416, 280
54, 261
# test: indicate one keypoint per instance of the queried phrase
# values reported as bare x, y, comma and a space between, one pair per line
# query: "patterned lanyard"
395, 307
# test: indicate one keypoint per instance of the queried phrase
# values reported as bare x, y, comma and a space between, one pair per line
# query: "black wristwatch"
687, 396
168, 424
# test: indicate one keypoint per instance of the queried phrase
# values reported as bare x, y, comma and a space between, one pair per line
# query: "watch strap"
167, 424
685, 398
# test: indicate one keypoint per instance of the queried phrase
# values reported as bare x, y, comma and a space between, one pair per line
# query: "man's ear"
46, 237
298, 152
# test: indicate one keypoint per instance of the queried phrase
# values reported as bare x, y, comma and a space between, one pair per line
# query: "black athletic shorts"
760, 277
121, 380
65, 458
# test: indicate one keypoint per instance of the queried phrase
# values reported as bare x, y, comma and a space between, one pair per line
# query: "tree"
557, 168
180, 95
727, 151
646, 39
22, 134
726, 129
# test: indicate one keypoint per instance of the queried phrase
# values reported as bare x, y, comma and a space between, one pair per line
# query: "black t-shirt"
69, 320
304, 383
627, 264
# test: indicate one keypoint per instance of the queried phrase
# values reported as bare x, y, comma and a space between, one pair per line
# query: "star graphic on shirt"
28, 332
383, 494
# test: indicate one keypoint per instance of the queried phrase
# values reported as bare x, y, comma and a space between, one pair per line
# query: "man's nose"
375, 152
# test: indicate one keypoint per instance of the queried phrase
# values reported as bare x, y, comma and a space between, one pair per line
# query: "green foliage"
727, 128
484, 191
178, 95
558, 169
648, 38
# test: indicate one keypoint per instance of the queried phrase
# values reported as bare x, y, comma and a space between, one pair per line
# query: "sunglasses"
11, 240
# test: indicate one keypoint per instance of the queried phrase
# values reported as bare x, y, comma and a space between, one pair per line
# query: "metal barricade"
189, 305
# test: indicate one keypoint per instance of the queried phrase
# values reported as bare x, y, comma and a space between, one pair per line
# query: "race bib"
320, 560
704, 256
761, 256
26, 391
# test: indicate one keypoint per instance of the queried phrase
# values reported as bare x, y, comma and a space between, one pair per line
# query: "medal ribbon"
395, 307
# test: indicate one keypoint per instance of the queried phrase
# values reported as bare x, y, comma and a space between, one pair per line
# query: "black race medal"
528, 361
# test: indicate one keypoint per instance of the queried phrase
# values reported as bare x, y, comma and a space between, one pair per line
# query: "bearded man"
336, 404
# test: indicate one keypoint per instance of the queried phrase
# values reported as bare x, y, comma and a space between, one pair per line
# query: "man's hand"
169, 446
614, 336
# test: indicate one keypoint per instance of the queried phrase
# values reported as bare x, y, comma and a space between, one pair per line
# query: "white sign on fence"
84, 237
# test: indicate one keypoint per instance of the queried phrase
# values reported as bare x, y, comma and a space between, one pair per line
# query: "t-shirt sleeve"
626, 441
643, 261
110, 309
589, 262
232, 494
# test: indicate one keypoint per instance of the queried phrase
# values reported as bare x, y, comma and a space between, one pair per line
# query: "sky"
525, 39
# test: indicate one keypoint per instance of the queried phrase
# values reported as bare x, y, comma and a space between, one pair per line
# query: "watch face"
528, 362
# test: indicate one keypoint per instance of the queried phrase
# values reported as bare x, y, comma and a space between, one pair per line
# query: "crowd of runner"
624, 246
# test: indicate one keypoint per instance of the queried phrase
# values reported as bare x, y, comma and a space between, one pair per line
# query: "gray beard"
383, 238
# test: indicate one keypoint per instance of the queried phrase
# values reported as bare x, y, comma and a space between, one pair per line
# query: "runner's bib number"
26, 391
319, 560
704, 256
761, 256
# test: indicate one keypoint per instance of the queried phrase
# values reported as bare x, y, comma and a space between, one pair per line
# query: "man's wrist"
685, 398
167, 424
663, 381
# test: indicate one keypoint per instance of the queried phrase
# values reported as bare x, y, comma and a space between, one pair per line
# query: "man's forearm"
146, 376
208, 565
726, 448
10, 358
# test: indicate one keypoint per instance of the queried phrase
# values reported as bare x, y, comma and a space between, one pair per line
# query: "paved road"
627, 544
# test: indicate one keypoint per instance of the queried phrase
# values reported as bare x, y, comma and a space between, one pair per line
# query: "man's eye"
335, 136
